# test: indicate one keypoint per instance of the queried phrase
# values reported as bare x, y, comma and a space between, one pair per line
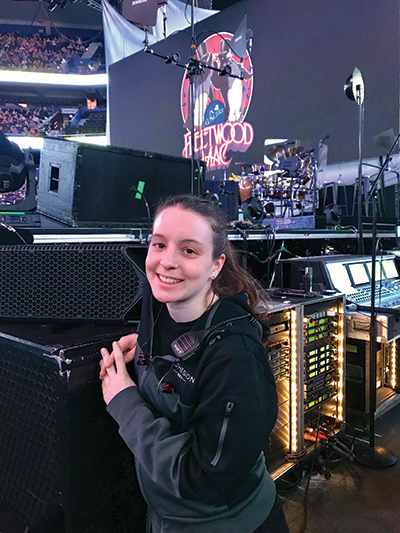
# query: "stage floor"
356, 498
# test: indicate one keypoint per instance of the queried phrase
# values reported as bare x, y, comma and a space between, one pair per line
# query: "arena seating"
15, 120
44, 53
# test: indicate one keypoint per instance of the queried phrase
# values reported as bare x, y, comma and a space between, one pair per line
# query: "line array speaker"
75, 282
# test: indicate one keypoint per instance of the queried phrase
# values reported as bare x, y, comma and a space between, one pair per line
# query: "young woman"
199, 403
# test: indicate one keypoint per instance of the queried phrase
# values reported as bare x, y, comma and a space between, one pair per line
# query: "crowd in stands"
39, 52
45, 53
24, 121
49, 121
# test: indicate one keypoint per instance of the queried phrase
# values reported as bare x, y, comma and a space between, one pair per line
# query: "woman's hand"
115, 375
127, 345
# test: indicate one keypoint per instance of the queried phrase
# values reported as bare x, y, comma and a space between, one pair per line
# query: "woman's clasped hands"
113, 372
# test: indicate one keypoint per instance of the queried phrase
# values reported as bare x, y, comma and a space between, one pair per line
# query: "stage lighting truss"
53, 4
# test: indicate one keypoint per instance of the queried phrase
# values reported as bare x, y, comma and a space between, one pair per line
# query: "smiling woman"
198, 402
180, 265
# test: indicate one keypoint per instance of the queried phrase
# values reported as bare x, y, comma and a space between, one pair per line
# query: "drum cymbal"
244, 165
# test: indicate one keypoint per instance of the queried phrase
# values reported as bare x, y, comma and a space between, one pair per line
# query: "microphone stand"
321, 143
194, 68
372, 455
191, 92
360, 103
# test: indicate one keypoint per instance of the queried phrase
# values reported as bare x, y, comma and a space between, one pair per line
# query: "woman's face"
180, 265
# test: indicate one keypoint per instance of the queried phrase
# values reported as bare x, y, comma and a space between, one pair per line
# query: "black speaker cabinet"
95, 186
71, 282
63, 466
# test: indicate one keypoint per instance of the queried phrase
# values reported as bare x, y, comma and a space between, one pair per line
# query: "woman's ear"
219, 263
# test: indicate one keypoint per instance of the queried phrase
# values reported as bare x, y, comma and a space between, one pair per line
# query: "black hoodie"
197, 427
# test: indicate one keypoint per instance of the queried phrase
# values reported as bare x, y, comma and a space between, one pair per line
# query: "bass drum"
245, 188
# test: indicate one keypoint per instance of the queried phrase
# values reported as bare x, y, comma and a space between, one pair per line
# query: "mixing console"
385, 295
348, 274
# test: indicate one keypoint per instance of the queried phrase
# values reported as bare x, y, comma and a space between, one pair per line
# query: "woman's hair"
233, 278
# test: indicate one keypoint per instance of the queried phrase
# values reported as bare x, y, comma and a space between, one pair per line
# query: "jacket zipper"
228, 411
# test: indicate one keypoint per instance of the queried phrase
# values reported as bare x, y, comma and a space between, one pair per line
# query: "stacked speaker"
63, 466
73, 282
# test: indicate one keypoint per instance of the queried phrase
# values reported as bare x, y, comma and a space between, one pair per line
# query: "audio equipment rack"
305, 348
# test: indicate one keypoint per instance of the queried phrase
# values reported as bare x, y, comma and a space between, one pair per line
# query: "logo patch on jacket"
182, 373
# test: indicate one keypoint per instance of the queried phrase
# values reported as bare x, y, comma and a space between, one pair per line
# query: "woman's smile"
171, 281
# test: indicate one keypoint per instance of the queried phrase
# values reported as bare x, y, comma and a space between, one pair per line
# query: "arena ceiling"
75, 14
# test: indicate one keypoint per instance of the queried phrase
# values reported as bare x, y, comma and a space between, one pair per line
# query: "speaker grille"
28, 440
97, 283
54, 436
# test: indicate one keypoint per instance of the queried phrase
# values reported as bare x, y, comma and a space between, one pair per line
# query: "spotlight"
354, 87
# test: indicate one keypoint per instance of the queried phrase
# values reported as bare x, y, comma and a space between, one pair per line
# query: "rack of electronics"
351, 275
305, 347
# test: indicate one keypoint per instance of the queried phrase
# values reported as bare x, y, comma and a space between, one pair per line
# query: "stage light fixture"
253, 210
354, 87
52, 4
13, 171
333, 215
17, 168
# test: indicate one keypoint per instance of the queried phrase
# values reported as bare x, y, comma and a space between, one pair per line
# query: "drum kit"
285, 183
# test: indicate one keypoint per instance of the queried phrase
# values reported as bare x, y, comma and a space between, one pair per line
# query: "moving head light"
13, 171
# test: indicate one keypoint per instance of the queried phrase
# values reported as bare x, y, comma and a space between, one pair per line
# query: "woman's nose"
169, 259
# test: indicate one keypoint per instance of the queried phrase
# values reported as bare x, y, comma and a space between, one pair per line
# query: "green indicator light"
139, 190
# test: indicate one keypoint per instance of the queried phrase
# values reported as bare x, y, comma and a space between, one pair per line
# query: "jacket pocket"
224, 427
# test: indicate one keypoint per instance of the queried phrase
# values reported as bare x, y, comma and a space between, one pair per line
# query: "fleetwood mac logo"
220, 104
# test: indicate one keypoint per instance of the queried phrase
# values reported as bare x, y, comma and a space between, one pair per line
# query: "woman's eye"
158, 245
189, 251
